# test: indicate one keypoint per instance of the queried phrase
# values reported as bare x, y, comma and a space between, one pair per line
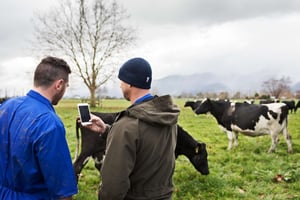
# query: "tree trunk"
92, 97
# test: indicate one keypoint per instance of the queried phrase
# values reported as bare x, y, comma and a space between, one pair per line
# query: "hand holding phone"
84, 113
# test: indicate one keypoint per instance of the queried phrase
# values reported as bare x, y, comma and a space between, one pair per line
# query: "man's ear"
59, 84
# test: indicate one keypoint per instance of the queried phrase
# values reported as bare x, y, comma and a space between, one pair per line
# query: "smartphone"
84, 113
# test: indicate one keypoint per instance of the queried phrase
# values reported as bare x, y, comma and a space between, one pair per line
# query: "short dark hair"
49, 70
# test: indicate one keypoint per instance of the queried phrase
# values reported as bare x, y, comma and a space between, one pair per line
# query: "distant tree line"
271, 88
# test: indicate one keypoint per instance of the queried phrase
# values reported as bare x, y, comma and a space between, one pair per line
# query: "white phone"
84, 113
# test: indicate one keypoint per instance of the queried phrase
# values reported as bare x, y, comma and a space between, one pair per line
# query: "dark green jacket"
140, 161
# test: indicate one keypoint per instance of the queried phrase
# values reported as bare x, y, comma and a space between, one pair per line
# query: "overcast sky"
177, 37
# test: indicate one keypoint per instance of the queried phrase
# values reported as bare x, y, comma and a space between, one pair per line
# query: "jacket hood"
159, 110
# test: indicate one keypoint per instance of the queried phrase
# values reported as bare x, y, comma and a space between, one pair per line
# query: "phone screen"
84, 113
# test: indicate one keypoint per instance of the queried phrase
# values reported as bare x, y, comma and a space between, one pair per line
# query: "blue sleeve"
55, 160
6, 193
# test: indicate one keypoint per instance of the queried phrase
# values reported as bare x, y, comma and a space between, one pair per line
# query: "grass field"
247, 172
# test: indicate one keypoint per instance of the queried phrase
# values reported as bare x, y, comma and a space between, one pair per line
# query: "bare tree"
223, 95
297, 94
237, 95
276, 87
90, 33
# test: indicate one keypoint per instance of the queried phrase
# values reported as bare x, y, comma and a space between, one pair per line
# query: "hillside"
192, 84
208, 82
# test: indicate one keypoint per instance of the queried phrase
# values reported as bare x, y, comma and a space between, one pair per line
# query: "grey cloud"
16, 26
205, 12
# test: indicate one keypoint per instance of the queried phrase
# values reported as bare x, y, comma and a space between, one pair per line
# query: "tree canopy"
91, 34
276, 87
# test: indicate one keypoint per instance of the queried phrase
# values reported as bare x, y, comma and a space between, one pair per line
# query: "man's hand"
97, 124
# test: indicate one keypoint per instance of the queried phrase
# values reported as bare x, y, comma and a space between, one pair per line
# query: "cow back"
245, 115
108, 118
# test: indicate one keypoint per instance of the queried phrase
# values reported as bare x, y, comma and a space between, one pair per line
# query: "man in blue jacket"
35, 161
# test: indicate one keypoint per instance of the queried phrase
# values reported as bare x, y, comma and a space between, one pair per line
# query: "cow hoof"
271, 151
79, 175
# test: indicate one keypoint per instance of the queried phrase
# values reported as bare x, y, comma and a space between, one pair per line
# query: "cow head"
199, 159
192, 149
192, 104
204, 107
297, 106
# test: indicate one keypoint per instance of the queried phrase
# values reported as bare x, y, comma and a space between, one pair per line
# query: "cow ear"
200, 147
197, 149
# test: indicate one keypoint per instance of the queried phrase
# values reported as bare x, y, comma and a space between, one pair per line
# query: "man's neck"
138, 93
44, 92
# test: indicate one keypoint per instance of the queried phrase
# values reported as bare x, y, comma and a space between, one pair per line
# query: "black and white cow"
249, 119
192, 104
93, 145
291, 105
297, 106
2, 99
249, 101
266, 101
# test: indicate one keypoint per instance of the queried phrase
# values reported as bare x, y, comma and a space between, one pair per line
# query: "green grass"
246, 172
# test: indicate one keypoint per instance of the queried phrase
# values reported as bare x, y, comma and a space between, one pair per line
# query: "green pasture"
247, 172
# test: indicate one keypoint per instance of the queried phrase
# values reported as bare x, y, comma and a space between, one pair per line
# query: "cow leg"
98, 159
274, 139
232, 138
288, 139
79, 163
236, 138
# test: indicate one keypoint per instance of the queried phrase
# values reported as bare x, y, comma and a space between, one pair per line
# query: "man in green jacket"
140, 160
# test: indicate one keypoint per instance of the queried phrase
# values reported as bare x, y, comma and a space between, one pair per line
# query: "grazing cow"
192, 104
291, 105
93, 145
249, 101
297, 106
2, 99
192, 149
249, 119
266, 101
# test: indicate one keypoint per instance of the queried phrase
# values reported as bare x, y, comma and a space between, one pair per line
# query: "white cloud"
16, 76
180, 37
247, 46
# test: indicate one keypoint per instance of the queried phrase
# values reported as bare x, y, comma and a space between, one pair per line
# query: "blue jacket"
35, 161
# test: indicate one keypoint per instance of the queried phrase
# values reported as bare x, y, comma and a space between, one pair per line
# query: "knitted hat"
136, 72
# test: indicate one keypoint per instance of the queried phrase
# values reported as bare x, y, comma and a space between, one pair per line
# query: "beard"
57, 97
126, 95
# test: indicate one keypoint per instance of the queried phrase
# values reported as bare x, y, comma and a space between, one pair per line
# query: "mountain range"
193, 84
209, 82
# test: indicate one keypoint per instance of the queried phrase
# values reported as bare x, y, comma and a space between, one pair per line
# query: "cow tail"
77, 139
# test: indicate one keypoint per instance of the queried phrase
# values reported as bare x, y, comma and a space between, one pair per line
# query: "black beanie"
136, 72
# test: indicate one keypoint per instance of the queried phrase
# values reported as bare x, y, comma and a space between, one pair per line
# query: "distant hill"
178, 84
296, 87
208, 82
195, 83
